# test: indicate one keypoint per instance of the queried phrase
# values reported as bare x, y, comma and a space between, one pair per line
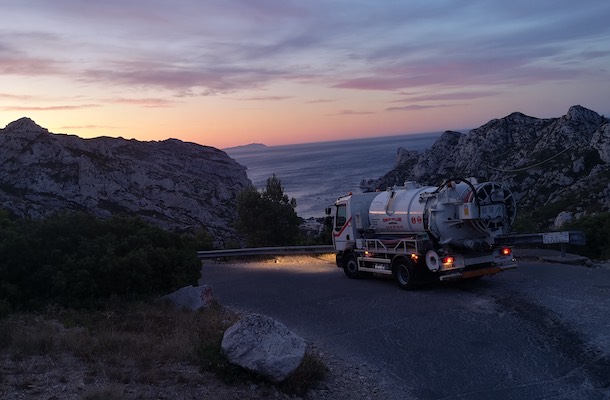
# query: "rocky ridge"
176, 185
551, 165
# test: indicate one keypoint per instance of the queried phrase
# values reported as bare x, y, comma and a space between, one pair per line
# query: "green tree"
268, 218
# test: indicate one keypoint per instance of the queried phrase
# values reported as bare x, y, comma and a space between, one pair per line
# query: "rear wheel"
404, 273
350, 266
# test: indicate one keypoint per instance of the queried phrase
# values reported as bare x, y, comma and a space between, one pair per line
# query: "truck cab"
350, 217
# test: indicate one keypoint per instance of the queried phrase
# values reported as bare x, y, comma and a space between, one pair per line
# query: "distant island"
251, 146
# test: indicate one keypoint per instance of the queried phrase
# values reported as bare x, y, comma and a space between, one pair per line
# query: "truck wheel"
350, 267
404, 273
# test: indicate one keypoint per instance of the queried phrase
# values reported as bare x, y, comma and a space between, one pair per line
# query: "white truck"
415, 232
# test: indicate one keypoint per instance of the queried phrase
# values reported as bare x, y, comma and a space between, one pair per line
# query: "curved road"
539, 332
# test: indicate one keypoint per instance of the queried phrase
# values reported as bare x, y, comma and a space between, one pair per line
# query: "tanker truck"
416, 233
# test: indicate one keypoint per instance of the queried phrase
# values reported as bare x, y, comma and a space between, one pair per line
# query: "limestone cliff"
176, 185
552, 165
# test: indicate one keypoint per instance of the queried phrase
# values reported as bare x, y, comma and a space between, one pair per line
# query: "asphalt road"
539, 332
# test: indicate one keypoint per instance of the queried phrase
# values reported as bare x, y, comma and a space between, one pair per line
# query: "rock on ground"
191, 297
265, 346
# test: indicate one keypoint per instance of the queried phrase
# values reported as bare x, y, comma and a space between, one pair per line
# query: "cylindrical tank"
460, 212
399, 209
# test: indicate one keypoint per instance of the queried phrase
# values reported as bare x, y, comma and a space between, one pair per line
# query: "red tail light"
506, 251
448, 260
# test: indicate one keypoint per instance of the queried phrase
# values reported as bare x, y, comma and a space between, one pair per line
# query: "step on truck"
416, 233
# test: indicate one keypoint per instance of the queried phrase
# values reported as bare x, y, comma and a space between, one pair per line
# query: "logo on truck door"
337, 234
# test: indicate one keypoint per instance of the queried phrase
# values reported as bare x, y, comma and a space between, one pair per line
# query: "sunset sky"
232, 72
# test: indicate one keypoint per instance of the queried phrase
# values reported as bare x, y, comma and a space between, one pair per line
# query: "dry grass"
138, 333
130, 344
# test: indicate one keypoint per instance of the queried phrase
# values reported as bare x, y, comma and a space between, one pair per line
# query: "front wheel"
350, 266
404, 273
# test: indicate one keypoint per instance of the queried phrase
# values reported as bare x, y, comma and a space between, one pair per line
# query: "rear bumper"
473, 273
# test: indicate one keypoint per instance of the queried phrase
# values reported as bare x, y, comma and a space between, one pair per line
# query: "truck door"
341, 231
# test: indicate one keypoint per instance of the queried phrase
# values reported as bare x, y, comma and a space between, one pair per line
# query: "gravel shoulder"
67, 377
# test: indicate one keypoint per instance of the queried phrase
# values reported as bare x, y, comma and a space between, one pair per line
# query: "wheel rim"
352, 266
403, 274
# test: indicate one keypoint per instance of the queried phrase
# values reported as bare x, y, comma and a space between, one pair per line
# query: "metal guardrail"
562, 238
266, 251
545, 238
570, 237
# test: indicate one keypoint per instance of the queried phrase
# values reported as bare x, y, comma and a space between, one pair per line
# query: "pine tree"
268, 218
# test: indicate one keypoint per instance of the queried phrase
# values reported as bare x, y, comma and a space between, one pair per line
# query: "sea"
316, 174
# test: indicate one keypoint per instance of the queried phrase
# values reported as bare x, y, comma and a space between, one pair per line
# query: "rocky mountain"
552, 165
176, 185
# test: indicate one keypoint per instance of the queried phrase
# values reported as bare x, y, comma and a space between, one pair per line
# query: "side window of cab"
341, 217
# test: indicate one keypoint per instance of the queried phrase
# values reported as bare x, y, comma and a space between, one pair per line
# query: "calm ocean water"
316, 174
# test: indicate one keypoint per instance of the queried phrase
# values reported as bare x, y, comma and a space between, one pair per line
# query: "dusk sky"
228, 72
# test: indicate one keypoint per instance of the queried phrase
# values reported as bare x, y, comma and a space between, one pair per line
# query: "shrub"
597, 230
76, 260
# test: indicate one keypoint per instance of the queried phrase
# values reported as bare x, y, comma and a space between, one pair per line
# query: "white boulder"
562, 218
264, 346
191, 297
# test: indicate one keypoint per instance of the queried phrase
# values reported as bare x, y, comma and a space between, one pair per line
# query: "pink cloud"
213, 79
417, 107
15, 96
148, 103
50, 108
265, 98
19, 64
491, 72
15, 60
88, 127
319, 101
448, 96
352, 112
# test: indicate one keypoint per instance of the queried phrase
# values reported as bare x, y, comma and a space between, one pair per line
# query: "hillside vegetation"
597, 230
77, 260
